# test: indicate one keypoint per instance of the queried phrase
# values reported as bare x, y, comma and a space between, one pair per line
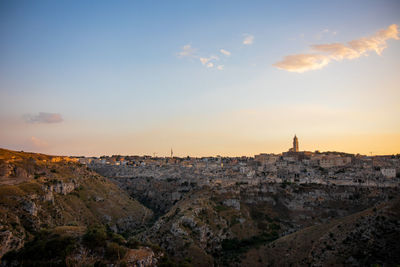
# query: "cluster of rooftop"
294, 166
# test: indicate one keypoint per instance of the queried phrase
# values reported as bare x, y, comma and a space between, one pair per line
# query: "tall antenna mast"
172, 153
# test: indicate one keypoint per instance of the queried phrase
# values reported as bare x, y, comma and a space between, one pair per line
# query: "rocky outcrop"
204, 217
48, 196
367, 238
158, 195
61, 187
60, 193
234, 203
142, 257
8, 241
30, 207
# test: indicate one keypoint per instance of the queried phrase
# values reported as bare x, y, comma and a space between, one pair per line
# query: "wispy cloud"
225, 52
323, 54
324, 32
248, 39
206, 61
43, 117
187, 51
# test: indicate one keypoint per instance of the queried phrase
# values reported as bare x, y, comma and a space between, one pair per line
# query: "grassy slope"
94, 200
365, 238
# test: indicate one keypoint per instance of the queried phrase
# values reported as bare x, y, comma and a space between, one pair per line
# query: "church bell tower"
295, 144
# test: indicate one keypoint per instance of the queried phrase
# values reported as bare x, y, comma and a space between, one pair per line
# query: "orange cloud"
325, 53
303, 62
336, 51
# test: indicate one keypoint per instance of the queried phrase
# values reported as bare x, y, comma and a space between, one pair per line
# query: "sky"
204, 78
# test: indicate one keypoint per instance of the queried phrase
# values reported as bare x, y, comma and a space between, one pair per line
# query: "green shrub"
114, 251
220, 208
156, 248
166, 262
133, 243
95, 236
46, 248
274, 226
235, 246
119, 239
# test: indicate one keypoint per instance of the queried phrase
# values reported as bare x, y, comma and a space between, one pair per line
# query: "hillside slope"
362, 239
220, 225
42, 192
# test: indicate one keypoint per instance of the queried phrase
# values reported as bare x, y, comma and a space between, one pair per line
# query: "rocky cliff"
367, 238
38, 193
221, 225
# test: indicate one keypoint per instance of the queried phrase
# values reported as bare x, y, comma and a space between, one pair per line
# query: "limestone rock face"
175, 196
48, 197
125, 223
143, 257
8, 241
6, 170
61, 187
20, 172
30, 207
234, 203
159, 195
200, 218
37, 193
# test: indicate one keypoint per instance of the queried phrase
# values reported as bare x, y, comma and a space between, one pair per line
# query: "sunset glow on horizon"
203, 78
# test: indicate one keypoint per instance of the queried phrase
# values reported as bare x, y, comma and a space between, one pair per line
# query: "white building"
388, 172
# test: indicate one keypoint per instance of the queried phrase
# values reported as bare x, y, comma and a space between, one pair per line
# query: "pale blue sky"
112, 71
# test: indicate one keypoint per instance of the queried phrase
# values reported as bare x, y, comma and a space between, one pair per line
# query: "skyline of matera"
295, 149
140, 78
